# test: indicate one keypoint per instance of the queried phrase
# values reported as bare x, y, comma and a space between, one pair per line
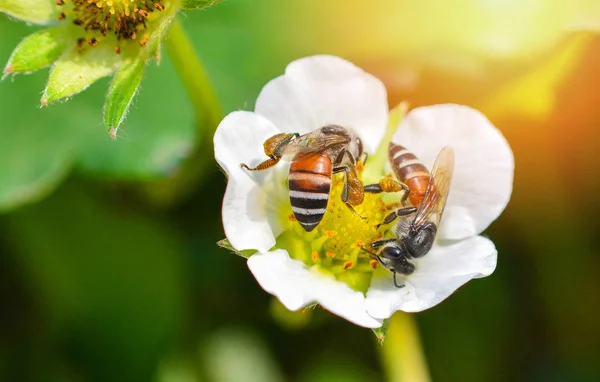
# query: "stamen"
123, 18
335, 246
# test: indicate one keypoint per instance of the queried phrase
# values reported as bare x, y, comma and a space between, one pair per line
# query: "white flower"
320, 90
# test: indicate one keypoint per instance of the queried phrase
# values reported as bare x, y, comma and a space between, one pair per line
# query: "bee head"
420, 239
274, 146
394, 259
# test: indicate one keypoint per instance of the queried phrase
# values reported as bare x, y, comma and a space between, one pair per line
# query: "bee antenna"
369, 252
396, 283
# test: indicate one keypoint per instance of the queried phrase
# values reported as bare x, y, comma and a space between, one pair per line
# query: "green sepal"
198, 4
37, 51
76, 70
121, 92
245, 253
381, 332
32, 11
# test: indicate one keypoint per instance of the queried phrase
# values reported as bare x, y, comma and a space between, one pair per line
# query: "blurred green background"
103, 279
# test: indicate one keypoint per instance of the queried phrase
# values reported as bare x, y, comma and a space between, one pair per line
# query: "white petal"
320, 90
483, 170
239, 139
296, 286
443, 270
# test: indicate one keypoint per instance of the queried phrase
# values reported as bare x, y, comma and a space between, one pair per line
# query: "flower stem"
374, 169
402, 352
208, 115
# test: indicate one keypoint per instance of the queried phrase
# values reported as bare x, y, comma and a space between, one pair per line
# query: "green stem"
402, 353
375, 167
208, 115
194, 76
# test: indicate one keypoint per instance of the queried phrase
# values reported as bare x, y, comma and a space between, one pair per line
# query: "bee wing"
314, 142
434, 201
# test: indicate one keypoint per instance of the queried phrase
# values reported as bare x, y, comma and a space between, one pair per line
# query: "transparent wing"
434, 201
315, 141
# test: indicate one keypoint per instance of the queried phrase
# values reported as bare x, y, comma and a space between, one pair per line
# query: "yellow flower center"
338, 245
125, 19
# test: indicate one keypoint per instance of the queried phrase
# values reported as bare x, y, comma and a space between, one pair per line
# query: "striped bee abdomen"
310, 182
410, 171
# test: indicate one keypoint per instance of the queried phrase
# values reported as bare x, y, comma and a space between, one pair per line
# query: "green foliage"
114, 283
75, 71
198, 4
245, 253
33, 11
381, 332
36, 51
122, 89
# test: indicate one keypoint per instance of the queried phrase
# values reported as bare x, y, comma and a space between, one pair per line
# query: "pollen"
123, 19
338, 245
360, 166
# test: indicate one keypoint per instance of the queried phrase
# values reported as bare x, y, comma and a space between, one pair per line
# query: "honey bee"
315, 157
416, 227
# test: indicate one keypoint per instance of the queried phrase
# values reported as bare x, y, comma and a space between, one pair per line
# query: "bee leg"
274, 148
366, 156
388, 184
394, 214
263, 165
353, 192
396, 283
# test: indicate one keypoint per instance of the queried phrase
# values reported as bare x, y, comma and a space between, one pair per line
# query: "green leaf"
198, 4
37, 51
245, 253
157, 136
76, 70
122, 90
381, 332
33, 11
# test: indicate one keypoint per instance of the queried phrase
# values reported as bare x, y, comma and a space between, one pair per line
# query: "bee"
414, 231
315, 157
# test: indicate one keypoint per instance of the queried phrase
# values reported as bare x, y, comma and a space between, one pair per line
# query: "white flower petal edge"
320, 90
441, 272
239, 139
483, 170
296, 286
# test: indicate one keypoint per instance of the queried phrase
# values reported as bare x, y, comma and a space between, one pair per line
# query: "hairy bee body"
410, 171
416, 225
315, 157
309, 184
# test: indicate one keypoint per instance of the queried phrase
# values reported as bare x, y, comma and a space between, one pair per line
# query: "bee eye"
419, 243
360, 146
391, 252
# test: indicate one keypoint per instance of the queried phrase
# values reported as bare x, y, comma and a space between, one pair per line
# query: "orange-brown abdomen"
309, 183
410, 171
